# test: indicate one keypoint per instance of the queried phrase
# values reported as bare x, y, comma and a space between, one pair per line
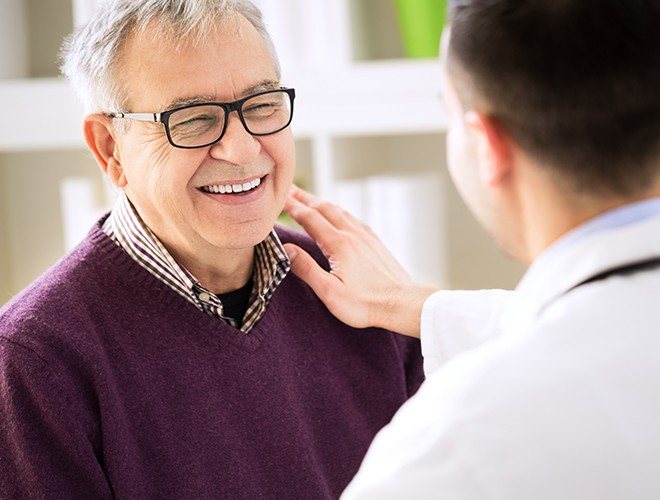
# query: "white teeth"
232, 188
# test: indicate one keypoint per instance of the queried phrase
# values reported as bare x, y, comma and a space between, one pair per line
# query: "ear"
494, 147
100, 137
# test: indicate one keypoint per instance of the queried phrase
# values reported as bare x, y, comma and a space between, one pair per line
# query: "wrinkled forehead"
158, 69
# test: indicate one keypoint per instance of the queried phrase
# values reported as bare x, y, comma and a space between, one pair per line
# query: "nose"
237, 145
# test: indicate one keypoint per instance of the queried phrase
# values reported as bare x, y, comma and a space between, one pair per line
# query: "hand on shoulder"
366, 285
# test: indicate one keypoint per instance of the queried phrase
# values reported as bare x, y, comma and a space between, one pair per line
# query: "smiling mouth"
242, 188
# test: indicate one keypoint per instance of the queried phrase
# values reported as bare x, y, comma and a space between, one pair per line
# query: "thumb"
308, 270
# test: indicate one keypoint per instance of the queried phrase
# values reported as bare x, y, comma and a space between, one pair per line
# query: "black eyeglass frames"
202, 124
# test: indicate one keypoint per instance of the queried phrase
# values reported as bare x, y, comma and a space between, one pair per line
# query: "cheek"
462, 164
161, 176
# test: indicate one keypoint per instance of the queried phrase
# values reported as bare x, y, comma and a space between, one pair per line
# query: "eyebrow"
185, 101
261, 87
199, 99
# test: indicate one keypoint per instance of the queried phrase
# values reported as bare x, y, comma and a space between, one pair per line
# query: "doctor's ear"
493, 145
100, 137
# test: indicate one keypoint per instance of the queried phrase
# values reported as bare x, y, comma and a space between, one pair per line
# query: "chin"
246, 235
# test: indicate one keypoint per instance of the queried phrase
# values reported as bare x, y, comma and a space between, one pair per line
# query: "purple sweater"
112, 385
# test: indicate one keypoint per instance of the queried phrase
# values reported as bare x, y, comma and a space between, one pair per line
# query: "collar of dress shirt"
128, 229
615, 238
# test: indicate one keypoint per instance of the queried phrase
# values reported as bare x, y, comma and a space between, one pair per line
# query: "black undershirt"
234, 304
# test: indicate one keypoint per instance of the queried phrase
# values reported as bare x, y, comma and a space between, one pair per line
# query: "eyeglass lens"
203, 124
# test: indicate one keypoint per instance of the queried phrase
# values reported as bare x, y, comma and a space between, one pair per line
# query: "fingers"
333, 213
328, 224
361, 224
316, 225
308, 270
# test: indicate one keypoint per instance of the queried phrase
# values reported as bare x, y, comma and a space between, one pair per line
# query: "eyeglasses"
200, 125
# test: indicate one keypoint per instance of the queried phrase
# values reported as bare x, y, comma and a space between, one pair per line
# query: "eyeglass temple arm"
141, 117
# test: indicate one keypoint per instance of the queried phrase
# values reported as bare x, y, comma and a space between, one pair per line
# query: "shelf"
374, 30
40, 114
371, 98
394, 155
375, 98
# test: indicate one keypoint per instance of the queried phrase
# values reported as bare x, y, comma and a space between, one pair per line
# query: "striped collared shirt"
271, 265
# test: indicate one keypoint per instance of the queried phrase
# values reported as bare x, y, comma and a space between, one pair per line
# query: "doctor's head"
187, 114
551, 95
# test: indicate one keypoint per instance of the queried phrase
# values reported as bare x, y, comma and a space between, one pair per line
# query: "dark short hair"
576, 83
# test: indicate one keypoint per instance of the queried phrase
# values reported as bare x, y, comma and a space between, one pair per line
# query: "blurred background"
368, 123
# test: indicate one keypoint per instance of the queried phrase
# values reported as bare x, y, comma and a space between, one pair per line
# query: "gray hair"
92, 54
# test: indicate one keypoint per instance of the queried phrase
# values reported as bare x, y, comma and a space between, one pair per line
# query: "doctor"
551, 391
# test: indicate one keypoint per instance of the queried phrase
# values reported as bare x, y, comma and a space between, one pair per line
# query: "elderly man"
550, 391
171, 355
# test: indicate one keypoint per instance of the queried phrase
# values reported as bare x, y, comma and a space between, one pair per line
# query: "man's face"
166, 183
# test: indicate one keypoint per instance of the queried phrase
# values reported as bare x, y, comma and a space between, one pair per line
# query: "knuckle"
369, 230
304, 268
343, 238
323, 206
305, 214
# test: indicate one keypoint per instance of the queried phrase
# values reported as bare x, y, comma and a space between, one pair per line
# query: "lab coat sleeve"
456, 321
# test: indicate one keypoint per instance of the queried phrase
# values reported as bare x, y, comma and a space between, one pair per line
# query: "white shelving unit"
45, 114
362, 114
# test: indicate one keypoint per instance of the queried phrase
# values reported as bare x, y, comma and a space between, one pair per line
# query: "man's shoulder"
63, 295
408, 349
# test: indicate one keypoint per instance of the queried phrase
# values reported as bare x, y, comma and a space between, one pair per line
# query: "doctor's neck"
549, 207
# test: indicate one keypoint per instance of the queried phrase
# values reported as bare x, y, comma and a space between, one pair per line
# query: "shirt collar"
127, 227
616, 238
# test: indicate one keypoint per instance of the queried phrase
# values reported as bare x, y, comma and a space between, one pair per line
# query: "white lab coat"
541, 393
